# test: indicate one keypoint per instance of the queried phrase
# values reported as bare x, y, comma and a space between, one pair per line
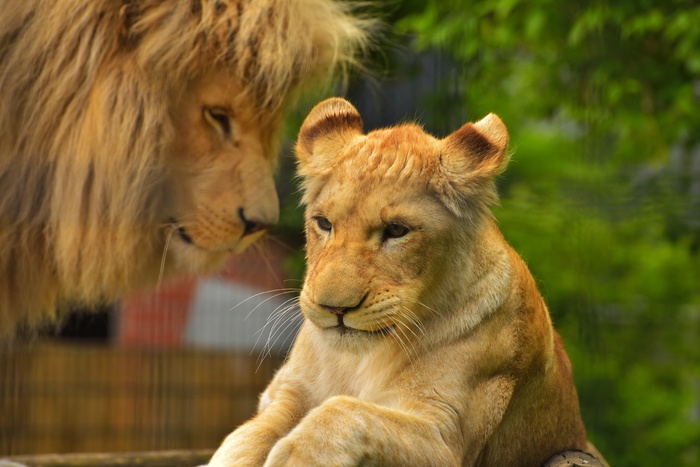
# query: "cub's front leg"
251, 443
345, 431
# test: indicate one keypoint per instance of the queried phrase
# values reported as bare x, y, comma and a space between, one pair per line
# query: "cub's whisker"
274, 317
278, 323
292, 336
288, 323
418, 302
414, 319
276, 293
280, 313
403, 340
276, 310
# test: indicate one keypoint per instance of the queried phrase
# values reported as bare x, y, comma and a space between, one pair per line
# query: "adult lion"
425, 340
132, 131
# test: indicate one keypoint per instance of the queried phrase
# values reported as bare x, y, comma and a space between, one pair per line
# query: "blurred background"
602, 200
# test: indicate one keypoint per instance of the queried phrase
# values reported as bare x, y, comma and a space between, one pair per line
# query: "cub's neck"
475, 283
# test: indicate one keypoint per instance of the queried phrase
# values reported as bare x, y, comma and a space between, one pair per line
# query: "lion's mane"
85, 93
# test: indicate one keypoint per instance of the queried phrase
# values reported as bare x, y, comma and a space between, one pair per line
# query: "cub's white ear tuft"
327, 129
472, 156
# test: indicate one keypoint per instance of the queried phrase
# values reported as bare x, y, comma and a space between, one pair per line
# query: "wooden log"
140, 459
194, 458
574, 459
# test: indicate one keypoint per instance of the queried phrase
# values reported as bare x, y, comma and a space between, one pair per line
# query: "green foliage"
628, 68
597, 95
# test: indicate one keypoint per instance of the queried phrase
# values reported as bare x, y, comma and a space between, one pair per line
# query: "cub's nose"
336, 310
340, 305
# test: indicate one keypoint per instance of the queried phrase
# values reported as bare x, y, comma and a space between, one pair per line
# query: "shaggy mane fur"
86, 88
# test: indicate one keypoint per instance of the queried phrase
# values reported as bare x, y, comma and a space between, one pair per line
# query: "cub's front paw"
286, 453
333, 434
297, 452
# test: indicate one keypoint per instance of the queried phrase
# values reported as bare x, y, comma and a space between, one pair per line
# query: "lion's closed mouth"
181, 232
183, 235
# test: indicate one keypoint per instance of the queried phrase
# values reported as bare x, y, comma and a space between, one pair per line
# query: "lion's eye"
395, 230
323, 223
219, 119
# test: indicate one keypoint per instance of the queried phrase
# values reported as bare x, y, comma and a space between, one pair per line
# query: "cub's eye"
219, 119
323, 223
395, 230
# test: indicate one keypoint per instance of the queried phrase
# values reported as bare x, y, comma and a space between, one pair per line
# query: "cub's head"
388, 214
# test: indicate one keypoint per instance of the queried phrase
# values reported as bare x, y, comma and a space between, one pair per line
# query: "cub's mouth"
343, 329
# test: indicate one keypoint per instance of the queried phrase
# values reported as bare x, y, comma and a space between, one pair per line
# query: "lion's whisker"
294, 280
165, 255
265, 256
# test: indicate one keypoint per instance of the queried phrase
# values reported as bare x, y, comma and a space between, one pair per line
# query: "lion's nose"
250, 226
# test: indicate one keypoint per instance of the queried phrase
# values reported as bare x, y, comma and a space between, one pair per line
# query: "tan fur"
107, 155
446, 355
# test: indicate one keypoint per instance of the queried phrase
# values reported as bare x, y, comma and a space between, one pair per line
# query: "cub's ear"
329, 126
471, 157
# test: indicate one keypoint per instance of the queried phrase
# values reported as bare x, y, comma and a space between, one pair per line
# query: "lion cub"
425, 341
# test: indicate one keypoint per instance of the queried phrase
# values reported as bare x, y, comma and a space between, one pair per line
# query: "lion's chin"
189, 257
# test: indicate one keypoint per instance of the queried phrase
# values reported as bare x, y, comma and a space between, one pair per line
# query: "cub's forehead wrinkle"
394, 152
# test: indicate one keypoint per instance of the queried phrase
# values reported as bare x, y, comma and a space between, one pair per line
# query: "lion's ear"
472, 156
328, 128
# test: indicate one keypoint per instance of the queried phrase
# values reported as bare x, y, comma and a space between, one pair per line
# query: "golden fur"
132, 127
425, 340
